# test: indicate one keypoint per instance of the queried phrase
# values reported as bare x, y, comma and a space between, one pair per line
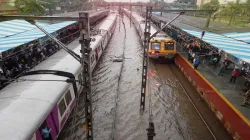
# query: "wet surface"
120, 82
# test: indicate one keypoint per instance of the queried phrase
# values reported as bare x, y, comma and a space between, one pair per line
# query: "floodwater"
120, 82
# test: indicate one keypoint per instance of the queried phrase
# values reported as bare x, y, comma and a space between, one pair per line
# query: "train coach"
160, 46
29, 106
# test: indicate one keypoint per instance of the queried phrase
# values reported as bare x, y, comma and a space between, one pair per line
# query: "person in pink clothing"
235, 73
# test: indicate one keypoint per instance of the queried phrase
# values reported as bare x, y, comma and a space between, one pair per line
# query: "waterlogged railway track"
199, 116
174, 116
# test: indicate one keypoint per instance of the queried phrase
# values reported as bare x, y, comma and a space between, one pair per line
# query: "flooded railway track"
201, 117
174, 116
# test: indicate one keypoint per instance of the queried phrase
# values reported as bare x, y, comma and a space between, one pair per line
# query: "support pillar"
86, 72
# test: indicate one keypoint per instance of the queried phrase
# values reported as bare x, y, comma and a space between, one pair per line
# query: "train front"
162, 47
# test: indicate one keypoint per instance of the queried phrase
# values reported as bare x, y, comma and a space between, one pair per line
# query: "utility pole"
86, 71
208, 19
145, 56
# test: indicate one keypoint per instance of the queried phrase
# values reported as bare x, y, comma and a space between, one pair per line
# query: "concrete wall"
230, 117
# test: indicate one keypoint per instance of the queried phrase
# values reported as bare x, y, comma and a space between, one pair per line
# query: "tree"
213, 4
34, 7
234, 9
248, 9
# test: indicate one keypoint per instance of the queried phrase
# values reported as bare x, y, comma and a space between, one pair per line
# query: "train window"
155, 46
169, 46
62, 107
68, 97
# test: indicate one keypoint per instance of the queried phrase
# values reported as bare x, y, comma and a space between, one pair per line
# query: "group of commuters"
199, 51
27, 56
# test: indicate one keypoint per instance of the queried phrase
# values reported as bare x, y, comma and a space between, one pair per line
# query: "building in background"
6, 8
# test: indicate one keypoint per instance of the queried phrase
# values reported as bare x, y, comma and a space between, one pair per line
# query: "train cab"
162, 46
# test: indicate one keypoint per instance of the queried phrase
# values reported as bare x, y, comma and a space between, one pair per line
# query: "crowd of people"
199, 52
14, 62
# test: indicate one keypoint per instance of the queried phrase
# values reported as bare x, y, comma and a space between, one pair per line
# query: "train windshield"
169, 46
155, 46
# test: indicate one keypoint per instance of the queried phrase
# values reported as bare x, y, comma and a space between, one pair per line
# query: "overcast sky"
135, 0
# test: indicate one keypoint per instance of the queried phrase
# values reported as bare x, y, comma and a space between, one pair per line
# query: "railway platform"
233, 92
222, 98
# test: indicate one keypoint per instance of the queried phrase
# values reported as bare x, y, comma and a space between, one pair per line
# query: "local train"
161, 46
27, 106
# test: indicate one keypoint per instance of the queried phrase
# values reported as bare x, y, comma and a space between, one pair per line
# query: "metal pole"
208, 19
86, 72
161, 11
145, 56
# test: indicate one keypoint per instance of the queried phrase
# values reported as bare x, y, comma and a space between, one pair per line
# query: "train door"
53, 123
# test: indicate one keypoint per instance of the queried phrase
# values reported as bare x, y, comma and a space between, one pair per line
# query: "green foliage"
236, 9
213, 4
34, 7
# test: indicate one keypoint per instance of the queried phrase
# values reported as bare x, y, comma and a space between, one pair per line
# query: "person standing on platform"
222, 69
196, 63
227, 61
235, 73
202, 34
246, 99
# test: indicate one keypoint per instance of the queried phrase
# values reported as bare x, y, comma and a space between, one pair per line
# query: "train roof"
162, 37
139, 18
24, 105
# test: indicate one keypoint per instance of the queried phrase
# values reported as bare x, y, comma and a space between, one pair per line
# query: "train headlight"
153, 52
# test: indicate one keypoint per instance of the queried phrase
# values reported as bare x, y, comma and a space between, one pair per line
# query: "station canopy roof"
239, 36
18, 32
237, 48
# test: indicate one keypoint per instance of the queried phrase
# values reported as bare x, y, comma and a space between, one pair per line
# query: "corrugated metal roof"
238, 49
21, 32
12, 27
239, 36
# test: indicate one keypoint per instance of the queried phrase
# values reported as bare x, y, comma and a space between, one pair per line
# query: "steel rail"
189, 98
